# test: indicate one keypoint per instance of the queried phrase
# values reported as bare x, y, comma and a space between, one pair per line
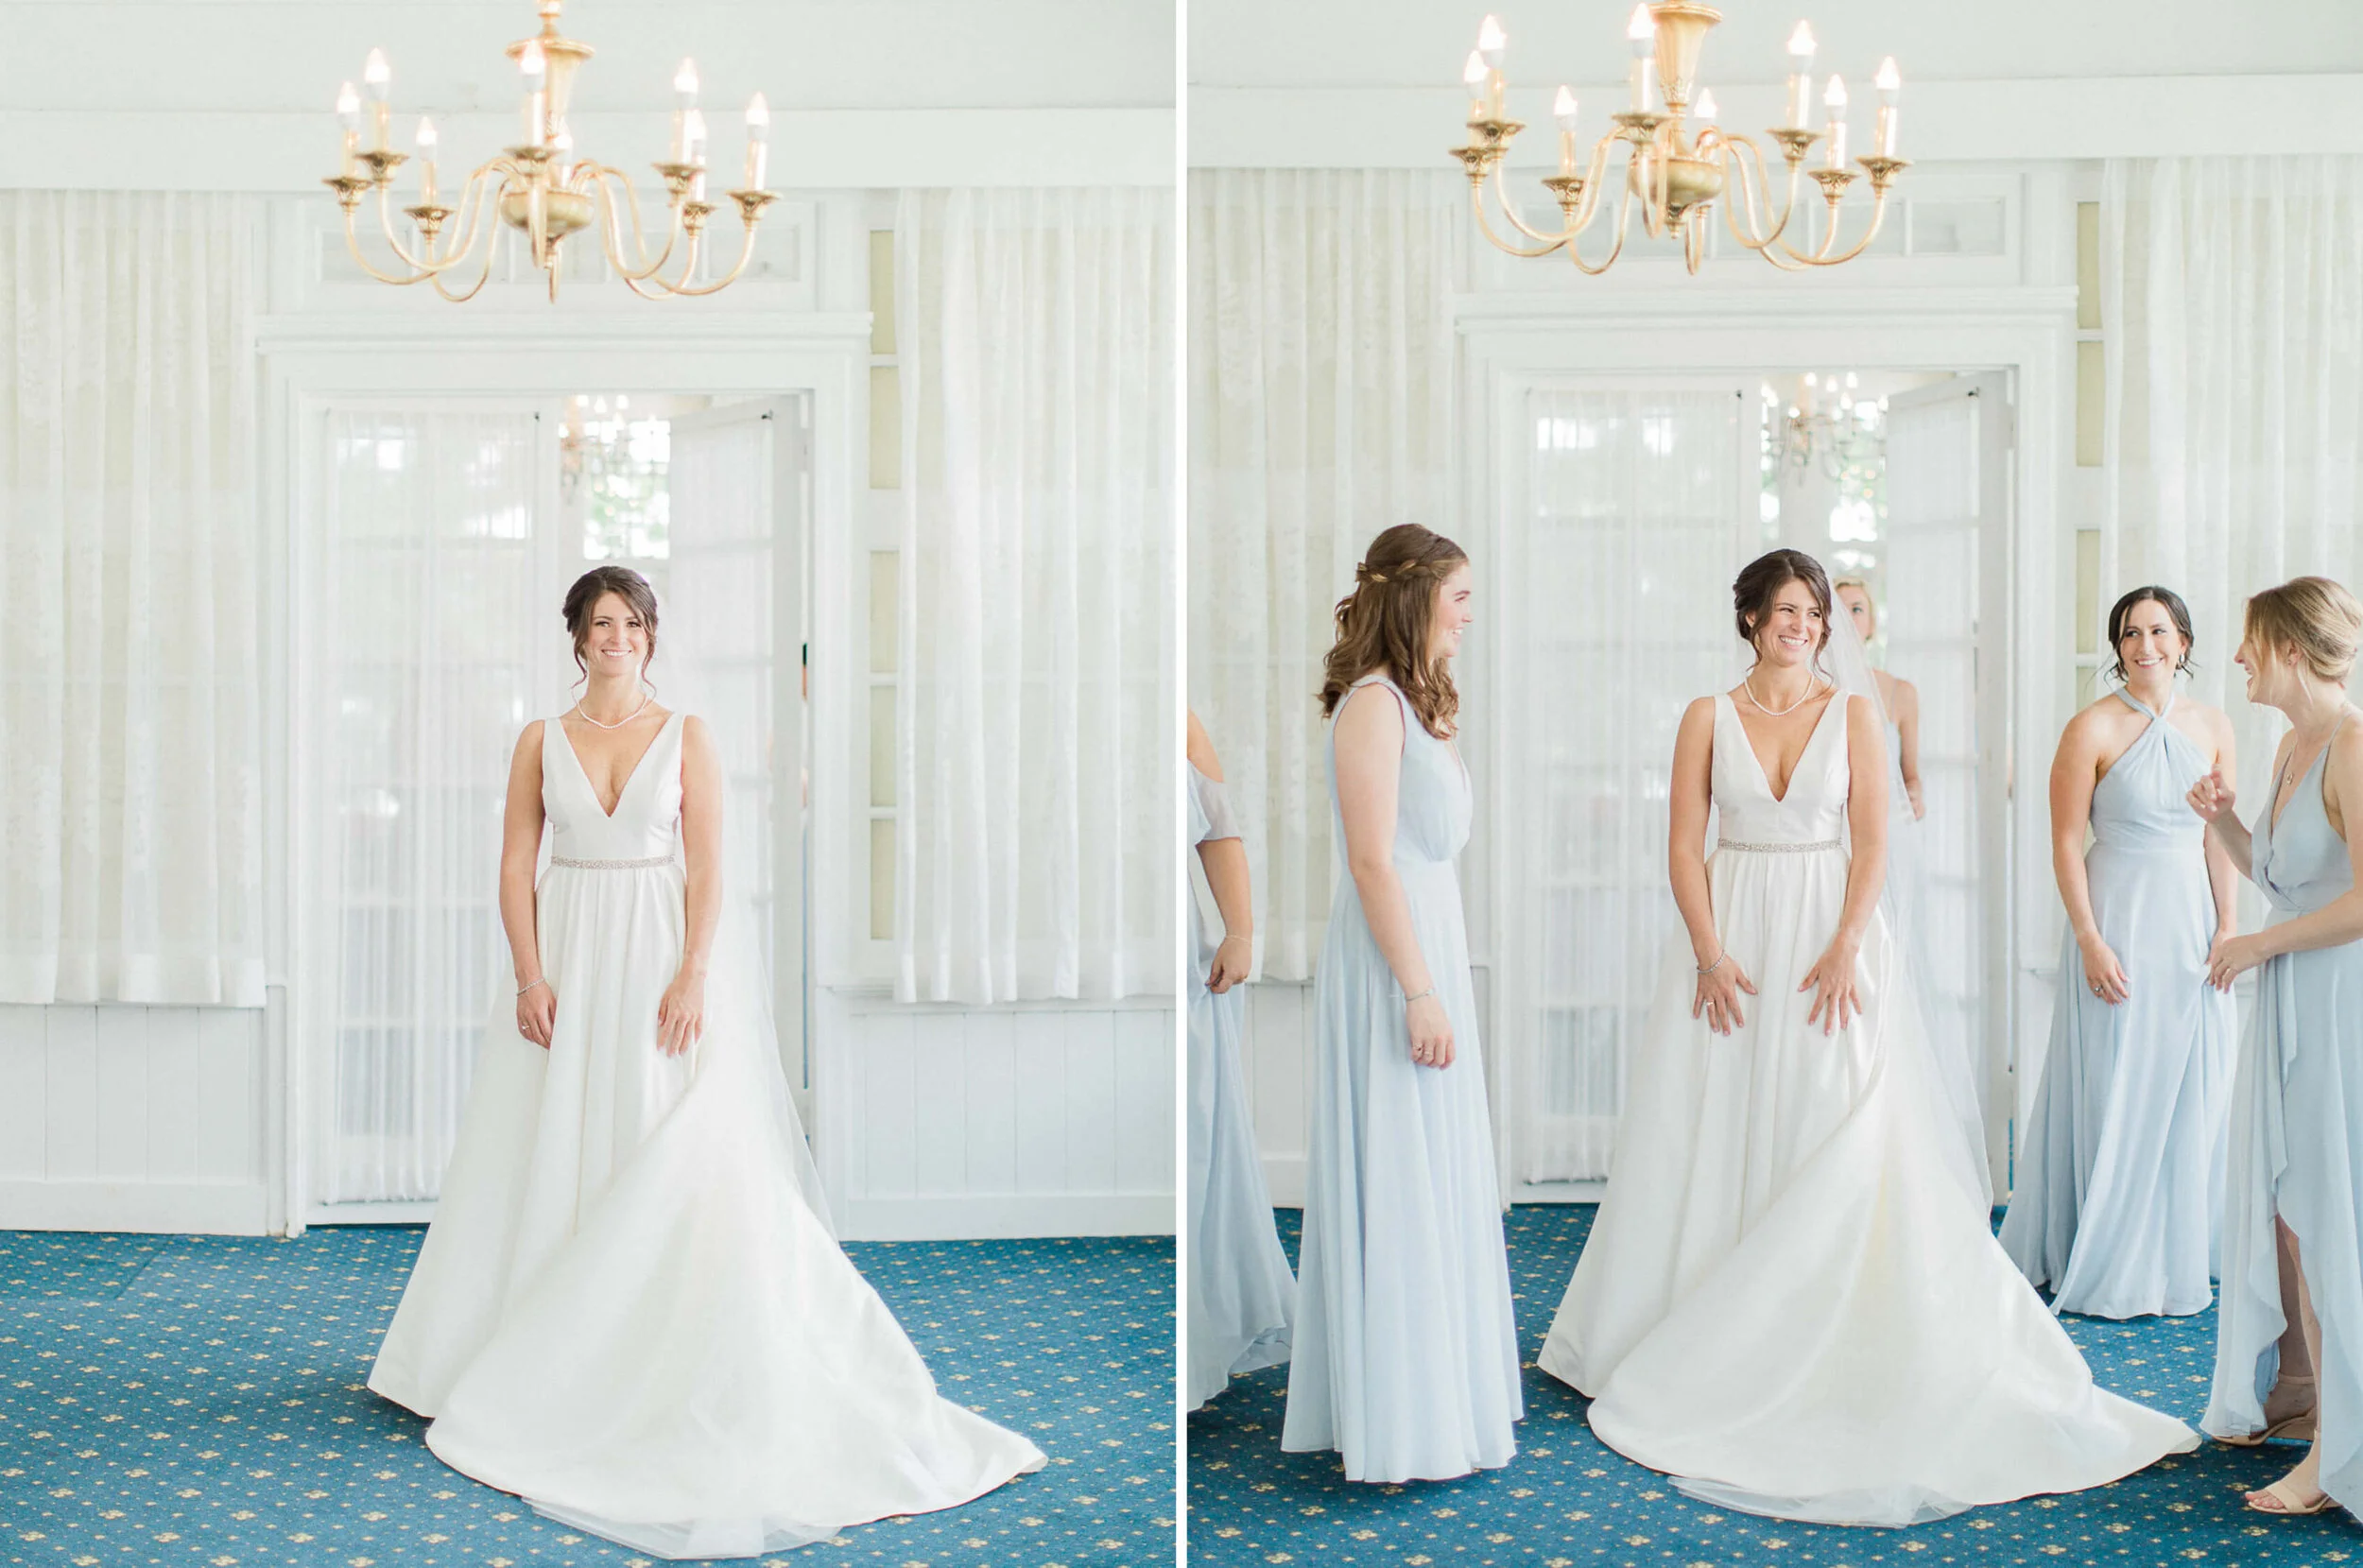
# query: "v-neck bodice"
2140, 801
1813, 810
645, 821
2299, 863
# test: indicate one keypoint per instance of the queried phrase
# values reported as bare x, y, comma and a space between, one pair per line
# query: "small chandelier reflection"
1828, 426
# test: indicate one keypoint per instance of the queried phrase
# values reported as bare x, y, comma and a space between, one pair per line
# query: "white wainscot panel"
1047, 1120
1277, 1055
131, 1118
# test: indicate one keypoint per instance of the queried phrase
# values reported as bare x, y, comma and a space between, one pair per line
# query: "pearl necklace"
646, 697
1813, 689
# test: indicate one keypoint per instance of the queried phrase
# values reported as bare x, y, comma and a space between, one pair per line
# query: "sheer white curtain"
1322, 362
441, 638
1617, 612
1035, 755
2232, 306
130, 739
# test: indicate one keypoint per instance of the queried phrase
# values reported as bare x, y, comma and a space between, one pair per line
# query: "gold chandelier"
540, 187
1678, 171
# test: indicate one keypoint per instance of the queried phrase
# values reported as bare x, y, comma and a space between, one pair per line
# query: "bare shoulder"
695, 734
527, 752
1862, 716
1903, 696
1200, 750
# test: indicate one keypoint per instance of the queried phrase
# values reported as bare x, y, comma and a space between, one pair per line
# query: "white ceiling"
287, 56
1335, 43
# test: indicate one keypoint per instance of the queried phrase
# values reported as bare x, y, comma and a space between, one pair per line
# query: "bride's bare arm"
521, 846
1838, 995
1720, 978
1368, 737
681, 1015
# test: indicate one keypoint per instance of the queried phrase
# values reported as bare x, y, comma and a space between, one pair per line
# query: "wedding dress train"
629, 1309
1790, 1300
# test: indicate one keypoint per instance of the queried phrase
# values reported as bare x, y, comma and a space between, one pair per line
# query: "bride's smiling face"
615, 643
1792, 630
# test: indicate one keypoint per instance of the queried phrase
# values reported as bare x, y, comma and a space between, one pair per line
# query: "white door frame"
2028, 332
310, 365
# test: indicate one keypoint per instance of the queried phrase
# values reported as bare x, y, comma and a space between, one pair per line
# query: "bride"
1791, 1299
631, 1310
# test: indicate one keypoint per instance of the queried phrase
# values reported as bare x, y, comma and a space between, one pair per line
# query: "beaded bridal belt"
1781, 849
612, 865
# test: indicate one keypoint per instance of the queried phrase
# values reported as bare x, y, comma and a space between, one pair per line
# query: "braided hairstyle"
1387, 621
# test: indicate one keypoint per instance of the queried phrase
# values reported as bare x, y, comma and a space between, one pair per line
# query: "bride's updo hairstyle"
2177, 612
1760, 582
1385, 622
2314, 618
594, 585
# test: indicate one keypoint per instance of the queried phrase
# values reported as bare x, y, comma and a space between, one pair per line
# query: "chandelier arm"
612, 234
482, 192
746, 254
1822, 258
1477, 204
1752, 189
1509, 210
1748, 187
427, 265
352, 243
1623, 224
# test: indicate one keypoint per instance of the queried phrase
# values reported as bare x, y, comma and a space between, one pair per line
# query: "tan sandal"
2285, 1500
2297, 1428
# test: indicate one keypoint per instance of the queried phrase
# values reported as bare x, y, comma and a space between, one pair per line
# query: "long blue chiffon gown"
2297, 1103
1407, 1353
1241, 1292
2119, 1197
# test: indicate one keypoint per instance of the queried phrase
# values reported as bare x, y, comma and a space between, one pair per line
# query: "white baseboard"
1285, 1175
202, 1208
998, 1217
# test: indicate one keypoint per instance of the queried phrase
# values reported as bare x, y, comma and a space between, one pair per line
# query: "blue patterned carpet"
1569, 1502
198, 1400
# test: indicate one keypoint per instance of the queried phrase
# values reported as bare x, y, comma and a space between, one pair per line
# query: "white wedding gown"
1791, 1299
630, 1310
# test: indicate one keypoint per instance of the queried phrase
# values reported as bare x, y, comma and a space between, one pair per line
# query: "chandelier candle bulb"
693, 137
378, 77
534, 67
758, 140
1836, 100
426, 162
684, 104
1564, 114
1642, 34
1799, 76
1891, 84
348, 117
1472, 76
1705, 107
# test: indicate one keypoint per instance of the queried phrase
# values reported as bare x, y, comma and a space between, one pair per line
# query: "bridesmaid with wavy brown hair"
1406, 1355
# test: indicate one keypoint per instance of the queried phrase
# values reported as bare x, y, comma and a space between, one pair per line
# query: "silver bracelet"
1718, 962
540, 982
1422, 997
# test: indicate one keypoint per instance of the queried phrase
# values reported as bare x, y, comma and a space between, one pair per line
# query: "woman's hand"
1431, 1032
2234, 957
680, 1016
2210, 797
537, 1011
1718, 995
1838, 1000
1911, 791
2103, 976
1232, 959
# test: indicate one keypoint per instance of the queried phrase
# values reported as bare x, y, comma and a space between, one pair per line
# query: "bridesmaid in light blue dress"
2119, 1193
2293, 1215
1407, 1354
1241, 1292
